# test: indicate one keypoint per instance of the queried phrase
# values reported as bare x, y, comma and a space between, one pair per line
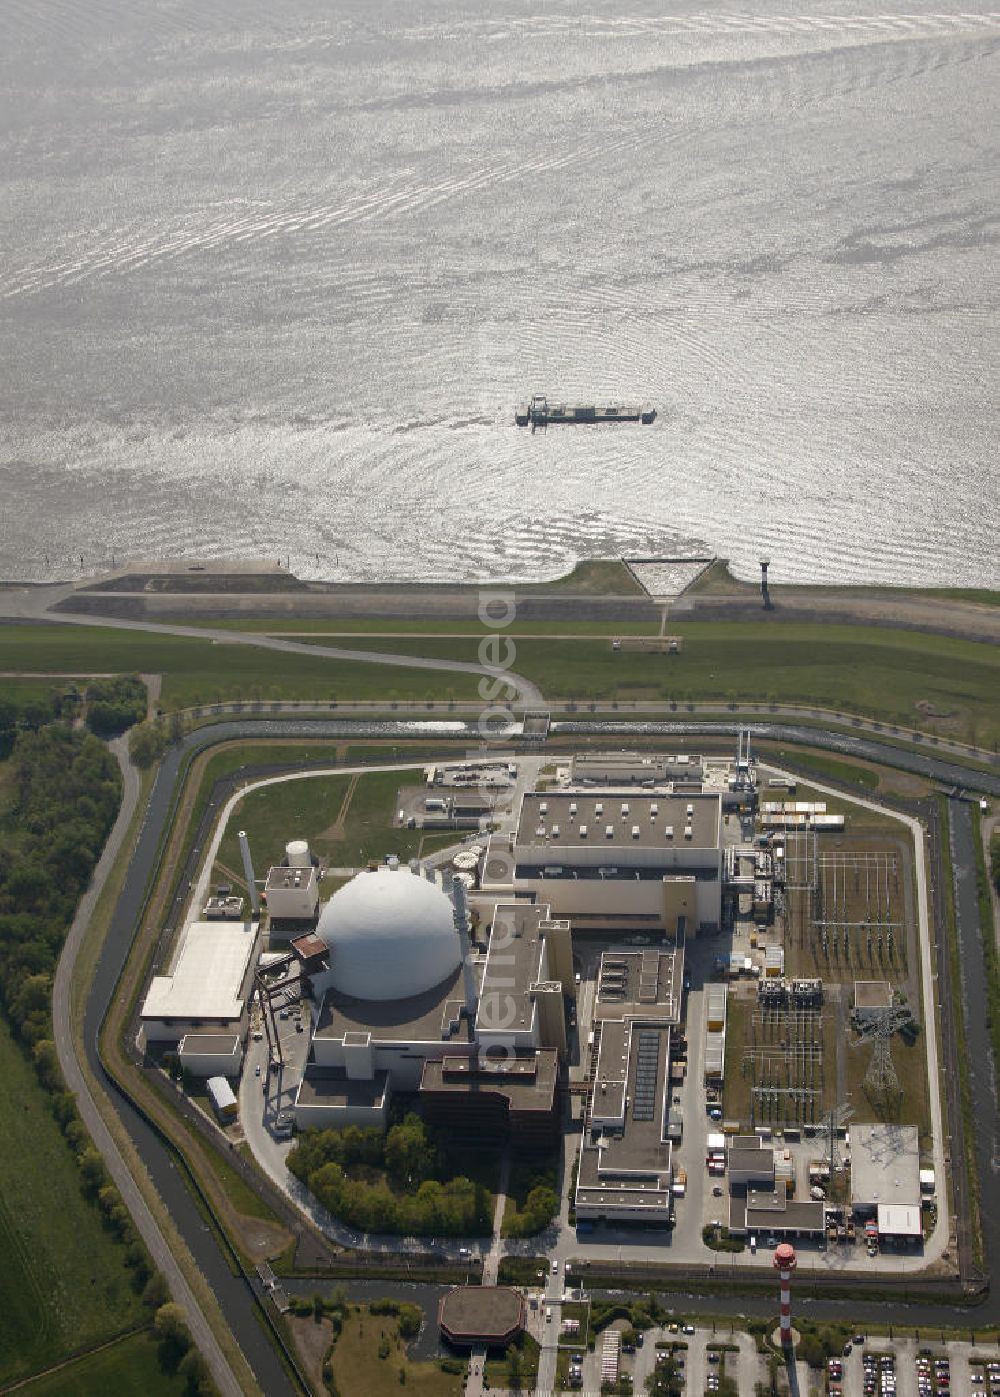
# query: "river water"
273, 277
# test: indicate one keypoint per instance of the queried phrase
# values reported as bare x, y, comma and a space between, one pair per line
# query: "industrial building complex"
642, 957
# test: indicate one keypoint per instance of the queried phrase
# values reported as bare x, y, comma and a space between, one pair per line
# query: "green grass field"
198, 672
63, 1283
359, 1368
884, 673
308, 808
128, 1368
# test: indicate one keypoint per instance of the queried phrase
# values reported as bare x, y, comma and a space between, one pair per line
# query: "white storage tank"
297, 854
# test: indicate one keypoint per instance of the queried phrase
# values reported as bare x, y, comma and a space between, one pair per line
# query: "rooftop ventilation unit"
599, 808
583, 831
688, 832
635, 831
669, 832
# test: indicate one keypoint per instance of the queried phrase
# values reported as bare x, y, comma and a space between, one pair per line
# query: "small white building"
774, 961
222, 1097
292, 893
898, 1220
211, 1054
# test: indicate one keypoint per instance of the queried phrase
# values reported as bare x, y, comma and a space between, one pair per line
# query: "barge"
541, 413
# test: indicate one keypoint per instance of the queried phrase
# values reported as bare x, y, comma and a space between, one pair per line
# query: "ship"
541, 413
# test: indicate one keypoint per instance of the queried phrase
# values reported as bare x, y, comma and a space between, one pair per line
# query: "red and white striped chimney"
784, 1264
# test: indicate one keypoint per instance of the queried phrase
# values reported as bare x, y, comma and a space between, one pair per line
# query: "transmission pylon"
833, 1123
881, 1084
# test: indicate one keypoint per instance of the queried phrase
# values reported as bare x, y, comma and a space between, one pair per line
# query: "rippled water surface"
273, 277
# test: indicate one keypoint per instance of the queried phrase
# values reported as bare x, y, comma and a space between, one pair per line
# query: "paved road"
145, 1222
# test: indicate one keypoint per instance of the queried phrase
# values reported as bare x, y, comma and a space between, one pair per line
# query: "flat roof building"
750, 1165
764, 1211
487, 1096
640, 983
885, 1166
292, 894
207, 986
634, 769
528, 970
624, 1171
901, 1222
616, 859
211, 1054
328, 1097
625, 1166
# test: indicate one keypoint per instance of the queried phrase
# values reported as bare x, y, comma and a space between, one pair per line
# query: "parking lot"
881, 1367
701, 1357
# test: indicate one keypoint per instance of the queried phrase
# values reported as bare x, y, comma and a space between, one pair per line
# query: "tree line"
66, 787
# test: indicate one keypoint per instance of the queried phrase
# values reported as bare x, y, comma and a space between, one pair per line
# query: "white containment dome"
297, 854
391, 935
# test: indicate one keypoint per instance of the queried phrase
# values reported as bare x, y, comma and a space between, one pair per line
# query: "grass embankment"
387, 627
63, 1284
128, 1368
937, 683
370, 1356
981, 595
591, 577
987, 929
347, 820
718, 580
198, 672
832, 769
956, 1009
